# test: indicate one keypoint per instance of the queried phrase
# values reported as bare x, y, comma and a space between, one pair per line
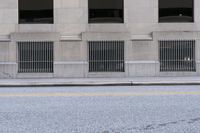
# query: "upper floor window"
106, 11
176, 11
35, 11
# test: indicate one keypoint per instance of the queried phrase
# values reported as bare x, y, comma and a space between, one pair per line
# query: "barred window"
176, 10
177, 55
35, 57
106, 11
106, 56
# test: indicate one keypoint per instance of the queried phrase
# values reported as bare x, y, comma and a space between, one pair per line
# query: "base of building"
70, 55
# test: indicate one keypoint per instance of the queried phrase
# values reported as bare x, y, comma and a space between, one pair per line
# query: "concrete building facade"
141, 33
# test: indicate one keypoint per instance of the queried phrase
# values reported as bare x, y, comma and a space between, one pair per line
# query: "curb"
97, 83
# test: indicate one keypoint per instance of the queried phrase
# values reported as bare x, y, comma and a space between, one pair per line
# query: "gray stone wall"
71, 31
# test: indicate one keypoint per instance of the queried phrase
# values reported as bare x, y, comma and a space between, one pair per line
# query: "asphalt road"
125, 109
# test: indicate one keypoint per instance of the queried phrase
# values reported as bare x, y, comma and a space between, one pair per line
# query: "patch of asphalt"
151, 127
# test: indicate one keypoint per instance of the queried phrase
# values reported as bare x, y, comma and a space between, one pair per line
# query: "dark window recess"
35, 11
177, 55
106, 11
106, 56
176, 11
35, 57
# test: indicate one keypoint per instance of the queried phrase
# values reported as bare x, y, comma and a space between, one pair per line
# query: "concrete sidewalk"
101, 81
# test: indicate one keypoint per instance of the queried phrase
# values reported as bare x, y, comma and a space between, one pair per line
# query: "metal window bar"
35, 57
177, 55
106, 56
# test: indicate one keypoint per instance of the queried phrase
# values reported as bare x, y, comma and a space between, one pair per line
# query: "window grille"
177, 55
35, 57
106, 56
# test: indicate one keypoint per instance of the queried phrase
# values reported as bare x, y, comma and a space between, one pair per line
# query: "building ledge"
34, 36
141, 37
5, 38
71, 38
